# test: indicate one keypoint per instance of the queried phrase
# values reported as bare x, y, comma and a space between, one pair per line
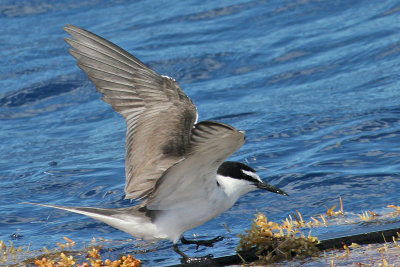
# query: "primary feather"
153, 106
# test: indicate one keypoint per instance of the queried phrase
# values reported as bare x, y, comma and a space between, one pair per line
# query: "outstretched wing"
159, 115
191, 178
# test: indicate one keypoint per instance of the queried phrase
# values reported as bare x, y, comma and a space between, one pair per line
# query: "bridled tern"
175, 164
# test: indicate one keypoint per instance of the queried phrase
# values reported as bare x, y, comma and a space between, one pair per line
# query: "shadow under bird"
175, 164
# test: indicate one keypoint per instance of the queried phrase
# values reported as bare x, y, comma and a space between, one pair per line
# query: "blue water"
315, 84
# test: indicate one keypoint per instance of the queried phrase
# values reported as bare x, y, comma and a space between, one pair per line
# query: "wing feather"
153, 106
191, 178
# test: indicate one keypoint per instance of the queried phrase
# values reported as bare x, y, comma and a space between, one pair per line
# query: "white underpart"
194, 212
133, 225
252, 174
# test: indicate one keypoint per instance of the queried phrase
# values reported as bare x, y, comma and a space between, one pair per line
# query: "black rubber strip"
367, 238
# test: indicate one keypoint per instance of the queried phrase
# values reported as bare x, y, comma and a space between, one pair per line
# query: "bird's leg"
187, 259
176, 249
207, 243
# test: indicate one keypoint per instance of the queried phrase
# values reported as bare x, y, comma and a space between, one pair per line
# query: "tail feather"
130, 220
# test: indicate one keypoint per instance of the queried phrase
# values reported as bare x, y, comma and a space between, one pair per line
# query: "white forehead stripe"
252, 174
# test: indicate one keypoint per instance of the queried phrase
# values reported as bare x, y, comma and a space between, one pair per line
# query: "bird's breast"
192, 213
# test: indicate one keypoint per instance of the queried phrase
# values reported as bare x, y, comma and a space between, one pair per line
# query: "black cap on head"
237, 170
234, 169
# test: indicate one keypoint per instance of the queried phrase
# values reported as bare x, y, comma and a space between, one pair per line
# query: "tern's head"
238, 179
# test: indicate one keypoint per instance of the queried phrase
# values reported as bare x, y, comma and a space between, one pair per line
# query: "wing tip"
37, 204
69, 27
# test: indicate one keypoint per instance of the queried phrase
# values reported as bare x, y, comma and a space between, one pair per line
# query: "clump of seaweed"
277, 242
93, 257
63, 258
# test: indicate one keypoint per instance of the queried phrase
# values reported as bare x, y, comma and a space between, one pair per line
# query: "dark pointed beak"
271, 188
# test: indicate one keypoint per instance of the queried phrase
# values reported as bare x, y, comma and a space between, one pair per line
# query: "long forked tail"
129, 220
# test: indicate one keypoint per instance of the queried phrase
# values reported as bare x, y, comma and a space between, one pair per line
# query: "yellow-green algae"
277, 241
284, 243
63, 256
